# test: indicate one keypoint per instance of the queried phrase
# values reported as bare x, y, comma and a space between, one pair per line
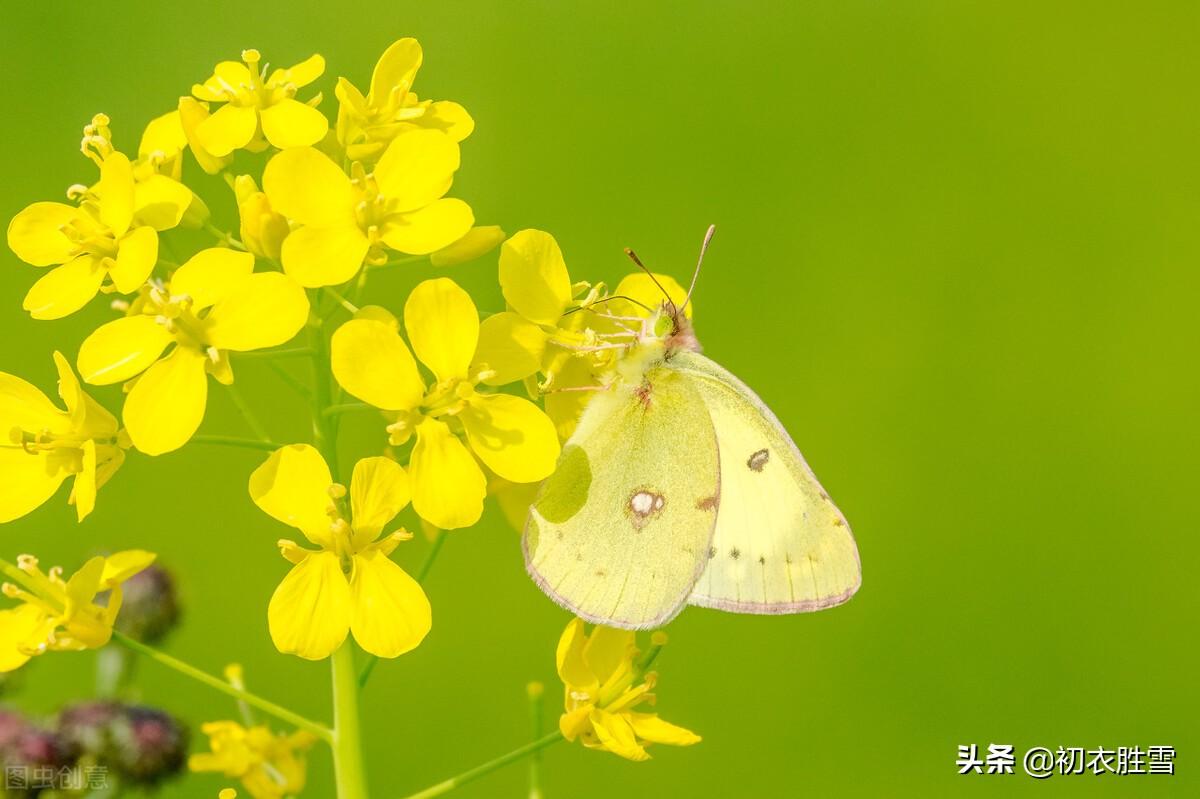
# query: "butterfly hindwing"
621, 531
780, 545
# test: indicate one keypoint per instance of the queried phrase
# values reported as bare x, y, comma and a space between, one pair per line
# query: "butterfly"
679, 486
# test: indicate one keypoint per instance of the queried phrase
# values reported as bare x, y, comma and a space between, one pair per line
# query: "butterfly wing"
781, 545
620, 532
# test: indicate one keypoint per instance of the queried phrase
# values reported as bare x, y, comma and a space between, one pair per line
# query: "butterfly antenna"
633, 257
700, 261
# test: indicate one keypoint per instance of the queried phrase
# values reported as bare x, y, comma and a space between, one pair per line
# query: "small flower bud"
150, 607
151, 745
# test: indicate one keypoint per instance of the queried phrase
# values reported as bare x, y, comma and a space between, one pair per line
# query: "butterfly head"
669, 324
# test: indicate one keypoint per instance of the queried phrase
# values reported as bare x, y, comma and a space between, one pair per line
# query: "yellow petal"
291, 123
163, 134
443, 326
638, 286
84, 584
136, 256
305, 185
512, 436
83, 493
428, 229
210, 274
116, 191
477, 242
396, 67
417, 168
35, 236
21, 628
23, 405
609, 650
191, 114
533, 276
649, 727
299, 75
617, 735
371, 362
29, 480
120, 567
121, 349
166, 405
65, 289
391, 614
309, 614
324, 256
160, 201
292, 486
263, 310
510, 346
230, 128
378, 491
447, 485
450, 118
572, 668
575, 723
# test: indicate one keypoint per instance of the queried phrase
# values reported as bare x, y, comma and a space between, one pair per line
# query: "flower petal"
609, 651
121, 349
230, 128
450, 118
509, 345
160, 201
291, 123
305, 185
371, 362
292, 486
29, 480
443, 326
121, 566
301, 74
391, 614
35, 236
309, 614
477, 241
512, 436
65, 289
166, 404
23, 405
417, 167
639, 286
448, 486
263, 310
649, 727
163, 134
115, 190
396, 67
573, 670
21, 628
323, 256
533, 276
617, 735
437, 225
378, 491
83, 492
191, 115
136, 256
210, 274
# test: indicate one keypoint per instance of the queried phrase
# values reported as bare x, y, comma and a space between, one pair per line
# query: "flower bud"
151, 745
478, 241
262, 230
86, 729
150, 607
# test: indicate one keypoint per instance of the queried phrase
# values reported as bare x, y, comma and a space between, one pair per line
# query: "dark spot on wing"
644, 392
735, 553
712, 552
762, 560
709, 503
758, 460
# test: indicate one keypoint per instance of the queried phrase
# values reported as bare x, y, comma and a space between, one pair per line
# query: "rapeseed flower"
452, 421
63, 615
349, 585
603, 684
45, 445
269, 765
213, 304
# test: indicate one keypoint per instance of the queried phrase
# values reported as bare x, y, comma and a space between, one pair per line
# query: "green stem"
422, 572
347, 749
286, 377
234, 441
537, 693
223, 237
411, 259
288, 352
488, 767
247, 413
342, 301
319, 730
335, 410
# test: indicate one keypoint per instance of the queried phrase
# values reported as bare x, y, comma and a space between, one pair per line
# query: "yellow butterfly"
679, 486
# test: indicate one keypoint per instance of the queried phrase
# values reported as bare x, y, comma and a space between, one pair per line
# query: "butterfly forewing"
780, 545
621, 531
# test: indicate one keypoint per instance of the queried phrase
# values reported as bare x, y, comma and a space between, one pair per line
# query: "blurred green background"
957, 253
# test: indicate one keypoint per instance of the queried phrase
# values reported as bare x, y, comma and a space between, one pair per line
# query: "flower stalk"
487, 768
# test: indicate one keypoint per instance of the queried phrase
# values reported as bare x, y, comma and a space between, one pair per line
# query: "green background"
957, 254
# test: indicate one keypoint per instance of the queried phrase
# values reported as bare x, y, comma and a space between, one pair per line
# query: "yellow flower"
160, 153
62, 615
112, 233
349, 585
262, 230
348, 220
212, 305
269, 765
259, 109
477, 242
365, 125
509, 434
44, 445
602, 688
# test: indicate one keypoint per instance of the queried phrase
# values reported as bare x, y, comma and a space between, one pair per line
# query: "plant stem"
537, 693
422, 573
347, 749
319, 730
411, 259
247, 413
234, 441
335, 410
488, 767
342, 301
289, 352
